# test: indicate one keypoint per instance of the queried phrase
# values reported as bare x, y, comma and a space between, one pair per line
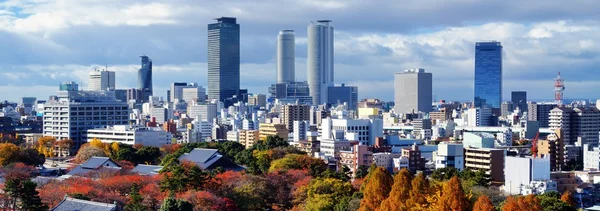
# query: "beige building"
259, 100
553, 147
291, 113
266, 130
248, 137
488, 159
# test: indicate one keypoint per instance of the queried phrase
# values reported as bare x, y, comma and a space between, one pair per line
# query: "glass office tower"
223, 59
145, 78
488, 74
319, 61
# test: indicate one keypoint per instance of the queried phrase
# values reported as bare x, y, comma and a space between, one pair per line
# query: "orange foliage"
376, 189
483, 203
524, 203
453, 196
567, 197
400, 192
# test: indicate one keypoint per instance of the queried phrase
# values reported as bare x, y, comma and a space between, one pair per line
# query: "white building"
126, 134
479, 117
320, 60
365, 130
450, 155
233, 136
160, 113
478, 140
413, 91
331, 147
504, 138
206, 111
300, 130
520, 172
74, 112
591, 157
286, 53
193, 93
101, 80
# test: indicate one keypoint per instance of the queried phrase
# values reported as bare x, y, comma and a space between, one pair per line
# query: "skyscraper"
320, 60
177, 91
286, 48
223, 59
145, 78
519, 99
488, 74
413, 91
102, 80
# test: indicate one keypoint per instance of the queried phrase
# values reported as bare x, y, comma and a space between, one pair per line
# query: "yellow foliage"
45, 146
114, 146
97, 143
8, 152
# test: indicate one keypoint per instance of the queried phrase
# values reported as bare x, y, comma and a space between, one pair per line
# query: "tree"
453, 197
567, 197
46, 145
377, 189
552, 201
31, 157
443, 174
87, 151
147, 155
172, 204
9, 153
483, 203
135, 200
523, 203
325, 194
22, 194
419, 191
400, 192
183, 177
475, 178
361, 172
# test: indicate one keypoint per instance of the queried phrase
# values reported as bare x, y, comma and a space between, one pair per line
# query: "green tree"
135, 200
31, 157
361, 172
172, 204
183, 177
21, 192
326, 193
443, 174
551, 201
147, 155
475, 178
377, 189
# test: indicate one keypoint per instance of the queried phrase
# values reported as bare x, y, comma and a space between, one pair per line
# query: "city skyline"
536, 46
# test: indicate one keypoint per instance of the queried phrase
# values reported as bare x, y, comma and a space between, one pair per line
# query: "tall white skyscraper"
286, 48
102, 80
413, 91
320, 60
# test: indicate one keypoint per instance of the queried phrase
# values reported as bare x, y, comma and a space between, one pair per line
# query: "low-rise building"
416, 162
248, 137
487, 159
554, 148
525, 174
267, 129
478, 140
450, 155
129, 135
359, 155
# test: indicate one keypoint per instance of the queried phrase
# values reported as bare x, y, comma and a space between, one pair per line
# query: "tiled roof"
72, 204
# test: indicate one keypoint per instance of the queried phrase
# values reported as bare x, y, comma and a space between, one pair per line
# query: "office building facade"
540, 112
286, 56
339, 95
413, 91
193, 94
223, 59
145, 78
320, 60
488, 74
296, 92
293, 113
101, 80
519, 100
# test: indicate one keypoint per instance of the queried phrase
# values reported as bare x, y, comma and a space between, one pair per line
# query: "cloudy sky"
43, 43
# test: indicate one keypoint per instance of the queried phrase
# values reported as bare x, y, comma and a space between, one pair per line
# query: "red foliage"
125, 165
357, 183
18, 171
203, 200
170, 148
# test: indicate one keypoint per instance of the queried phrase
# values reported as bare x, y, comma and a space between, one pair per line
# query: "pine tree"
376, 190
400, 192
567, 197
453, 196
483, 203
30, 198
172, 204
135, 200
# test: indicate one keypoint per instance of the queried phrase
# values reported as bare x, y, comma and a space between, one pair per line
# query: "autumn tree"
46, 146
20, 190
419, 191
483, 203
8, 153
135, 200
400, 192
87, 151
64, 147
453, 197
377, 189
567, 197
523, 203
324, 194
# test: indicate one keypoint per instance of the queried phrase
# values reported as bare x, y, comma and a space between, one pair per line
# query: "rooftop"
71, 204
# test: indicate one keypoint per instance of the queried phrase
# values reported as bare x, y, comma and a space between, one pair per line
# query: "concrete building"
367, 113
223, 59
330, 148
160, 114
293, 113
125, 134
363, 130
540, 112
440, 116
205, 112
286, 56
416, 162
576, 122
358, 155
519, 100
413, 91
320, 60
479, 117
487, 159
340, 95
522, 171
74, 112
259, 100
450, 155
553, 148
385, 160
176, 91
193, 93
101, 80
248, 137
267, 129
478, 140
292, 92
300, 130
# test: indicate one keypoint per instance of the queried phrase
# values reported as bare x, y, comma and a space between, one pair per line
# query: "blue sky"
47, 42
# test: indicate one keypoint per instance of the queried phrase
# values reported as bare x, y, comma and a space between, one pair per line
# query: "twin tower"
319, 59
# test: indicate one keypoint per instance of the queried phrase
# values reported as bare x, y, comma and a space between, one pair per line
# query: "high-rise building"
489, 160
477, 117
298, 92
293, 113
519, 100
145, 78
135, 94
223, 59
101, 80
413, 91
339, 95
176, 91
286, 53
576, 123
540, 112
259, 100
193, 93
68, 86
205, 112
488, 74
320, 60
